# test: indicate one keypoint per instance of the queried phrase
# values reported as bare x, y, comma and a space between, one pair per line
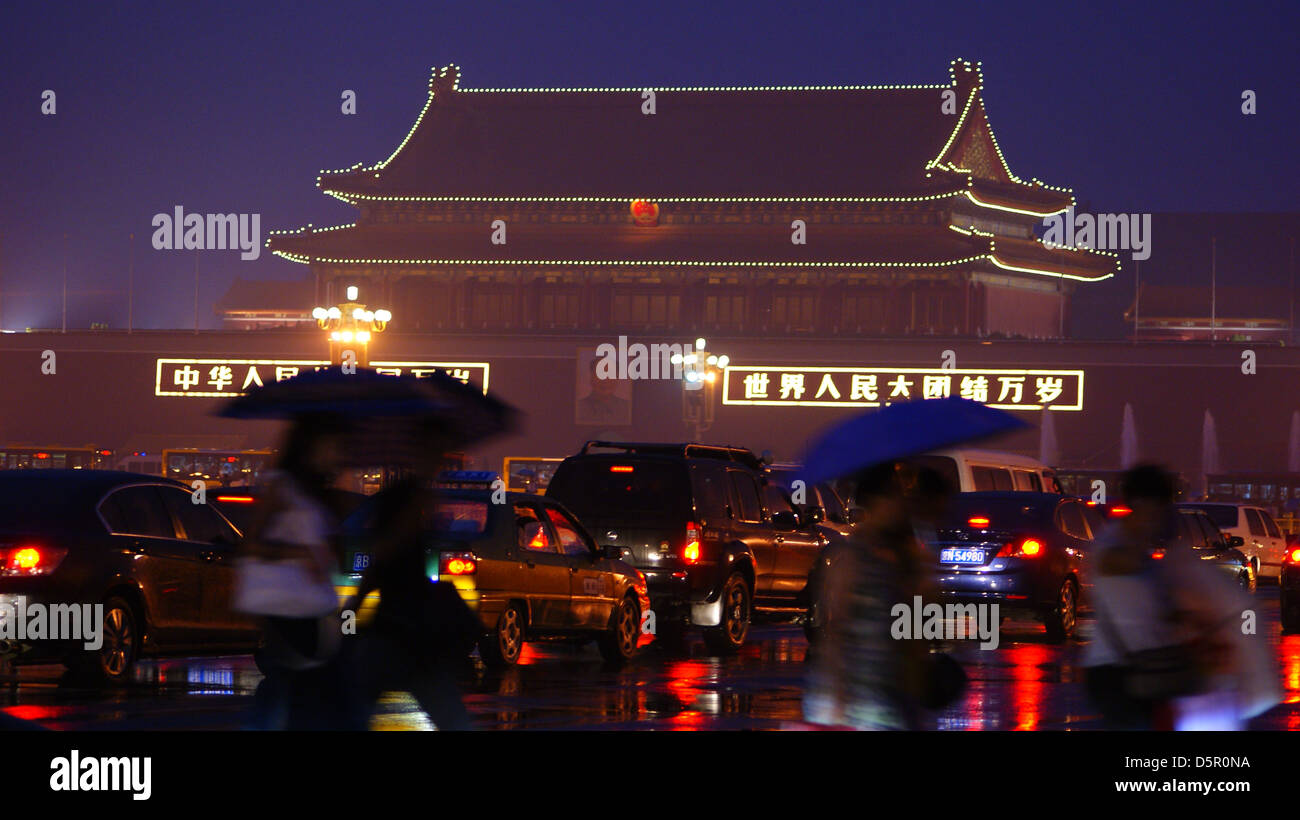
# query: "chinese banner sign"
878, 386
209, 378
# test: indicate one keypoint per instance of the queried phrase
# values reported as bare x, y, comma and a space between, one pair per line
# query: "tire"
116, 659
502, 646
1247, 585
1291, 618
618, 645
729, 635
814, 625
1063, 620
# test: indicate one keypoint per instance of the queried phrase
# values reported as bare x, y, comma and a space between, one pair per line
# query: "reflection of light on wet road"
1027, 690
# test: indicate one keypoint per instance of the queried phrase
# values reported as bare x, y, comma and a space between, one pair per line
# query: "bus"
226, 468
24, 457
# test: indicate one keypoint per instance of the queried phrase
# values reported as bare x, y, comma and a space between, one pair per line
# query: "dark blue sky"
234, 107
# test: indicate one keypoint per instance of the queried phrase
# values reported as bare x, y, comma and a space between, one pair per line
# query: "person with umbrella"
863, 675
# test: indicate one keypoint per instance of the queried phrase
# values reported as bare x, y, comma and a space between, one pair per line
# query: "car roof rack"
687, 449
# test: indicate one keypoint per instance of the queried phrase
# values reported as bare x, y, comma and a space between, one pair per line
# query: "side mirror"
813, 515
611, 551
1235, 541
785, 520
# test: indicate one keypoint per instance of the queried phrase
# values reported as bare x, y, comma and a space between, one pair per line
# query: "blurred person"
422, 631
861, 676
1164, 641
288, 558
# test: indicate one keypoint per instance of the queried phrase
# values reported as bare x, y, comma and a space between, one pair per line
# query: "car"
1263, 541
1195, 530
525, 566
821, 503
716, 547
1289, 591
159, 564
1021, 550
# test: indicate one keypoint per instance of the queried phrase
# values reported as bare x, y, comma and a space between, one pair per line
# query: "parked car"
1023, 551
159, 564
1262, 540
715, 547
525, 565
1289, 591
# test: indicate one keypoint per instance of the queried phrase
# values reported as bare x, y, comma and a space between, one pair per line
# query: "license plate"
957, 555
360, 561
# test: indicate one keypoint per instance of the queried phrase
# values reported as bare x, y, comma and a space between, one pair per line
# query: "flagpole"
130, 288
1137, 299
196, 293
65, 283
1214, 258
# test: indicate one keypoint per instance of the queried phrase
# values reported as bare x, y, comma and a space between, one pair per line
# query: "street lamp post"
700, 376
351, 326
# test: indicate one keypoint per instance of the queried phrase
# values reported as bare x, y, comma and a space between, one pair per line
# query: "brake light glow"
1158, 554
235, 499
691, 553
458, 563
978, 522
30, 560
619, 468
1028, 548
1294, 556
1119, 511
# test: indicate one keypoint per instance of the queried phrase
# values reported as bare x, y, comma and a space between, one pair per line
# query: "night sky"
235, 107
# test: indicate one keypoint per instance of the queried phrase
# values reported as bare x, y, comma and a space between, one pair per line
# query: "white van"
983, 470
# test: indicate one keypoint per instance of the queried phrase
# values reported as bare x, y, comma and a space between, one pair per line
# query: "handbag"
282, 589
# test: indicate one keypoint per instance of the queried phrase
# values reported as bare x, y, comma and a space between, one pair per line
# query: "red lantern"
645, 212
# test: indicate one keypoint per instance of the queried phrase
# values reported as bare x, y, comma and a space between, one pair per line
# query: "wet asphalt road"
1025, 684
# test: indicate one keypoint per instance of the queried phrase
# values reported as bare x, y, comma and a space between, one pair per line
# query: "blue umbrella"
902, 430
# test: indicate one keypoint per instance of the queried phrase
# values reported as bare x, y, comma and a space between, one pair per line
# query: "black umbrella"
389, 419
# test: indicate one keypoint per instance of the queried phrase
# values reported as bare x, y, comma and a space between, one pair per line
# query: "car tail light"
1119, 511
458, 563
1158, 554
235, 499
30, 560
979, 522
1027, 548
1293, 556
619, 468
691, 553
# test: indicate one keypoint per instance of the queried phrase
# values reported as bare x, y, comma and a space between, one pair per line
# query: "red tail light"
235, 499
618, 468
30, 560
1119, 511
1158, 554
1028, 548
458, 563
1293, 556
979, 522
691, 553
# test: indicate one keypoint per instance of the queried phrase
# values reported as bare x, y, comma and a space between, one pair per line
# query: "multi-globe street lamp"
700, 376
351, 326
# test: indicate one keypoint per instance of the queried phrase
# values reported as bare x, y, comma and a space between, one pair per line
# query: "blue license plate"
960, 555
360, 561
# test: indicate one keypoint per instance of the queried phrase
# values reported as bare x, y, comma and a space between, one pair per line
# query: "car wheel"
502, 646
1063, 619
1246, 584
1290, 617
113, 664
814, 625
729, 635
618, 645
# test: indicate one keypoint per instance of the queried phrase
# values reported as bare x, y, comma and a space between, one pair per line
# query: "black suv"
716, 542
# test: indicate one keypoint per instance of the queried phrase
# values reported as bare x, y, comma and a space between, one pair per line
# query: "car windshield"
1224, 516
1003, 513
631, 489
459, 516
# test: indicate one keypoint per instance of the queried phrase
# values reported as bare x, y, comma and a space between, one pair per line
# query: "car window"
1213, 537
571, 541
138, 511
776, 499
991, 478
745, 493
460, 516
1252, 521
1027, 481
531, 531
199, 522
1270, 525
1189, 533
1070, 519
710, 494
